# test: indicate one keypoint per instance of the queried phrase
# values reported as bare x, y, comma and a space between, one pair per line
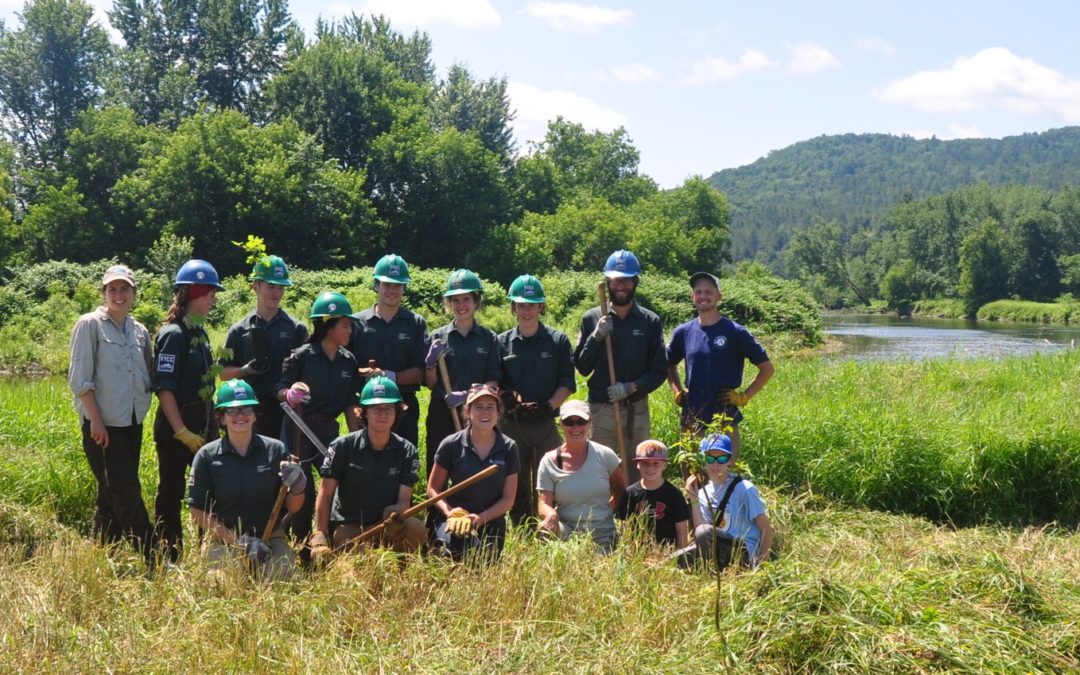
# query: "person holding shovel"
111, 362
258, 344
367, 476
185, 385
537, 376
234, 487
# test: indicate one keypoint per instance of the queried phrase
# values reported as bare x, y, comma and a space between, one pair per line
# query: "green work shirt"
637, 344
182, 362
537, 365
470, 359
238, 490
397, 345
335, 385
369, 480
279, 336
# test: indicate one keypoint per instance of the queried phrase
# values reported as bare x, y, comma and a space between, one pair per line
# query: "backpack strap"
718, 513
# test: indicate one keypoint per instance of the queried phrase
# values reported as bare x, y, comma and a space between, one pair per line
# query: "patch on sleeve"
166, 363
416, 465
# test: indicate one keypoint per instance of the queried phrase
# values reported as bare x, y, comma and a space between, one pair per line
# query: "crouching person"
367, 476
234, 485
730, 523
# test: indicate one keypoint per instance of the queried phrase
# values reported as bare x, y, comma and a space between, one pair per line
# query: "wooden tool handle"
278, 503
615, 408
445, 375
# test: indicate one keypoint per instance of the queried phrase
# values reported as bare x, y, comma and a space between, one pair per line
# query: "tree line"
213, 119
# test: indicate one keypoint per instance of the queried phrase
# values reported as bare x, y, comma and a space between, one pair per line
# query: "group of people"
499, 404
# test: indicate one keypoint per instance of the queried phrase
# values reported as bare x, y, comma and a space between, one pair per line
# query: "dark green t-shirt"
239, 490
369, 480
182, 362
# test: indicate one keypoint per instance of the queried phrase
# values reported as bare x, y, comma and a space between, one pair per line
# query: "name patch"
166, 363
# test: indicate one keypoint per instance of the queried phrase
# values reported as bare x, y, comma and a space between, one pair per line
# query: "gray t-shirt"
581, 497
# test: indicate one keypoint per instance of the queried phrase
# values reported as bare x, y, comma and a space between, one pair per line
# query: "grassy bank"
1030, 312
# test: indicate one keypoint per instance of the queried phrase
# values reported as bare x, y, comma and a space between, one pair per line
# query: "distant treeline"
214, 120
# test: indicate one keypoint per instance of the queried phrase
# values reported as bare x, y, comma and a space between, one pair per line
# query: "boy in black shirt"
661, 502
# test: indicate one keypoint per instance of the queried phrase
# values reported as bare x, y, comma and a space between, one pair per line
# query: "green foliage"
1029, 311
168, 253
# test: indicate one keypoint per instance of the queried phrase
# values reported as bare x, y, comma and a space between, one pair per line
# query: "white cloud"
875, 45
458, 13
807, 57
628, 73
535, 107
716, 70
570, 17
992, 78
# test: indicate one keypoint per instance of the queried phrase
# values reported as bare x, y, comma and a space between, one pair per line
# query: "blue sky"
702, 86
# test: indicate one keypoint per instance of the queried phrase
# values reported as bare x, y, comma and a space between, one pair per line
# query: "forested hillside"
854, 177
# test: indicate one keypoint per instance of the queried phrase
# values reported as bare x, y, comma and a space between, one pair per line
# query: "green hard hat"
392, 268
527, 288
380, 390
271, 269
235, 393
330, 304
462, 281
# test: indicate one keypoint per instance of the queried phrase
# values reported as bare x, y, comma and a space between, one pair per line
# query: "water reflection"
887, 337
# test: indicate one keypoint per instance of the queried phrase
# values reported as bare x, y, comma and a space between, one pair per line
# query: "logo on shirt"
263, 469
498, 462
481, 350
403, 337
545, 355
720, 341
284, 335
660, 510
393, 471
345, 374
166, 363
637, 332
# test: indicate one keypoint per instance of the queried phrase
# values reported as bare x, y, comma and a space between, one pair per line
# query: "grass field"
836, 447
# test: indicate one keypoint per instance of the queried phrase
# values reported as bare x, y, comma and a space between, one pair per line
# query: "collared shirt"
470, 359
398, 344
239, 490
537, 365
182, 362
115, 363
335, 385
280, 335
369, 480
637, 344
458, 456
715, 356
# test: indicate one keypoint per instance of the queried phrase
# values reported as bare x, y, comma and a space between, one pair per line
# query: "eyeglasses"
574, 422
242, 410
717, 459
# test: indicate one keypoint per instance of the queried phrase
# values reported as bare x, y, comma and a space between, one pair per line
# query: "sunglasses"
574, 422
242, 410
717, 459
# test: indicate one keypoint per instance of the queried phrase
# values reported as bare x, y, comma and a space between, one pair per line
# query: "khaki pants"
635, 419
280, 566
410, 541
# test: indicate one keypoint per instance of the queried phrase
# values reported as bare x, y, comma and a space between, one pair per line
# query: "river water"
888, 337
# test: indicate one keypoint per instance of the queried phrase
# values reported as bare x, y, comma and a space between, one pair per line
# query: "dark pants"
408, 425
326, 429
486, 545
534, 437
438, 425
174, 458
119, 509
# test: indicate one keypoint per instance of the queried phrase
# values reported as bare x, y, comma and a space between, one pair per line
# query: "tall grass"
1030, 311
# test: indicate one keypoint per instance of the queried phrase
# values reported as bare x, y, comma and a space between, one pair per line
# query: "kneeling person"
367, 476
235, 482
662, 504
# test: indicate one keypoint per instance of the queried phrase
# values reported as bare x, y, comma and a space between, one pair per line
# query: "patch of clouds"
712, 69
992, 78
469, 14
573, 18
535, 107
875, 45
627, 73
808, 58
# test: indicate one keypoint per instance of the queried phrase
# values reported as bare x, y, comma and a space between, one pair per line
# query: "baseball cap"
575, 408
704, 275
716, 443
118, 272
479, 391
650, 449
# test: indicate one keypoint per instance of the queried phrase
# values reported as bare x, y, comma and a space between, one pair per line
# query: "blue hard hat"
622, 264
716, 443
198, 272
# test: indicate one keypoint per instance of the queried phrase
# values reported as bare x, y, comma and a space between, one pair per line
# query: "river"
888, 337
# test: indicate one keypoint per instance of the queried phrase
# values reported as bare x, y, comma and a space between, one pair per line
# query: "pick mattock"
615, 405
445, 375
375, 530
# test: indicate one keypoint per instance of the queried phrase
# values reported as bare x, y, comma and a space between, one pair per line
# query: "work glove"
395, 526
604, 327
458, 523
437, 348
735, 398
293, 477
619, 391
680, 398
456, 398
253, 367
319, 547
510, 400
297, 394
256, 551
190, 439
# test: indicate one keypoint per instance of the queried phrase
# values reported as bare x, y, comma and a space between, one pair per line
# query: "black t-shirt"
239, 490
664, 506
369, 480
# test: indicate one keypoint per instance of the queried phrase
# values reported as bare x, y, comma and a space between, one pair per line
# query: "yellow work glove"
190, 439
736, 398
458, 523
